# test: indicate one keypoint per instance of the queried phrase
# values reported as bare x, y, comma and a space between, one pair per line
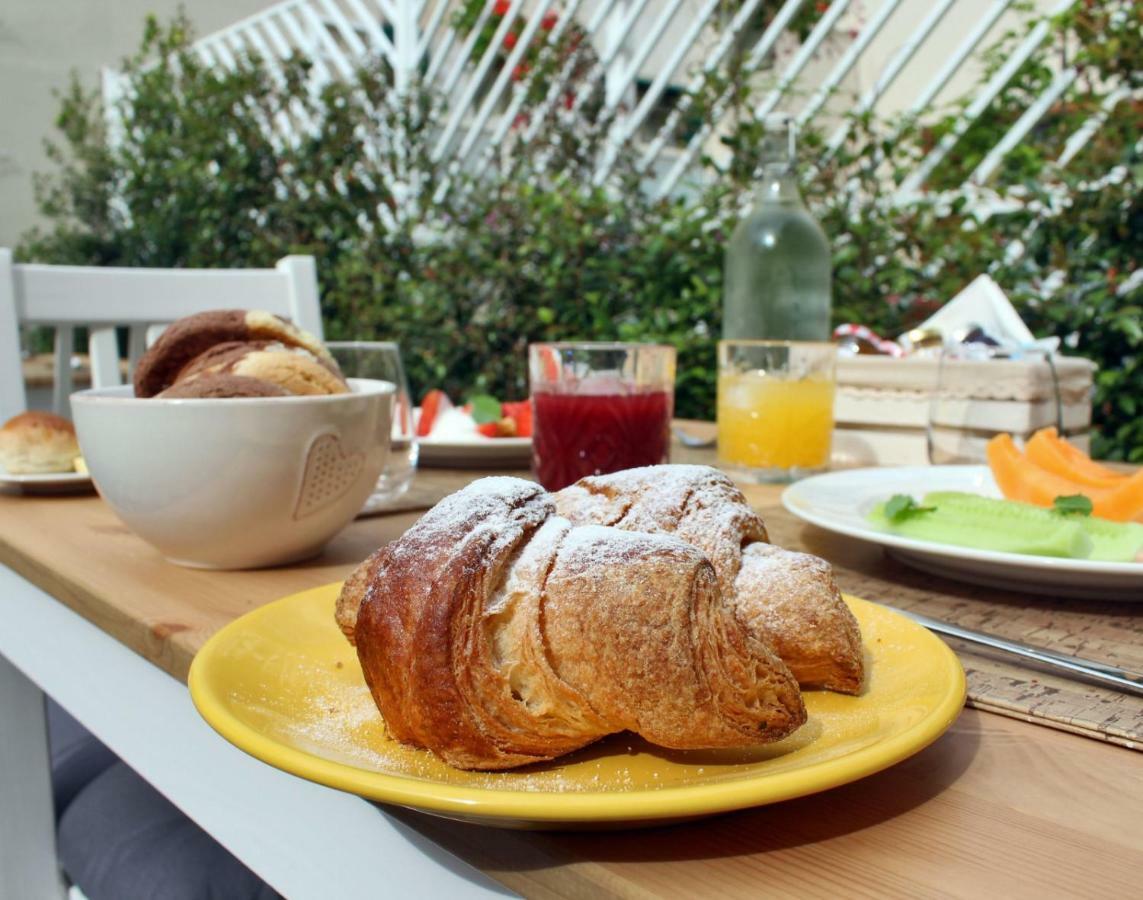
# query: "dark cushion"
77, 756
120, 839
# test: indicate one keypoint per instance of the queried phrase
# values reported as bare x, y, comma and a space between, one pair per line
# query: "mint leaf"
484, 408
900, 507
1072, 505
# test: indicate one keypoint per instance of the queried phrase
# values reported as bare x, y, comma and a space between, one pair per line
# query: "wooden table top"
995, 804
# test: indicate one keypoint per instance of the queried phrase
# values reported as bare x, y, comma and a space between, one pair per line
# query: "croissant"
495, 633
787, 599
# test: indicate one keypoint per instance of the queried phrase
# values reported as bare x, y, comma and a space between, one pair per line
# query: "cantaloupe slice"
1049, 451
1021, 479
1077, 456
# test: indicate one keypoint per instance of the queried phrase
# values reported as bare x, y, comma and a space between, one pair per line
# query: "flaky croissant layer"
787, 600
495, 633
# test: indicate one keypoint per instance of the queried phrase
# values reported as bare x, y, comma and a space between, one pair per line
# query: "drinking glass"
983, 390
775, 408
381, 360
599, 408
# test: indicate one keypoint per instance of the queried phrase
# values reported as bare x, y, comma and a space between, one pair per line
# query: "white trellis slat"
1087, 130
388, 12
639, 56
476, 129
457, 72
848, 60
992, 89
1022, 126
407, 30
484, 101
432, 27
966, 47
889, 75
760, 51
805, 53
712, 64
622, 131
273, 30
596, 27
521, 89
302, 41
473, 85
323, 40
378, 40
336, 19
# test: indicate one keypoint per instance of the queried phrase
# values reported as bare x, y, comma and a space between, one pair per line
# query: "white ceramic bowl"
235, 483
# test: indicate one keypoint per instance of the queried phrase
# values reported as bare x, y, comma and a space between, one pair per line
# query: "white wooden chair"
143, 300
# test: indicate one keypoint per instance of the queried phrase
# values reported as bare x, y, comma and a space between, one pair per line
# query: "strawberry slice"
504, 427
434, 403
521, 413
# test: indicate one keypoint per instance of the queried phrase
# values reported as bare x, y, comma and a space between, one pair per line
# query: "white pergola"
640, 50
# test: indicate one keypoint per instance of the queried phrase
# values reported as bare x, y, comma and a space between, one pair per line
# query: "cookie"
292, 368
187, 338
215, 385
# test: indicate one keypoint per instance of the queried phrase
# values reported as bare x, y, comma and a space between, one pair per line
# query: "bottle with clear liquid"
776, 280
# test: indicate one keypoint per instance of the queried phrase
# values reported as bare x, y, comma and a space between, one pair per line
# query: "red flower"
520, 71
510, 40
548, 22
569, 99
500, 7
821, 7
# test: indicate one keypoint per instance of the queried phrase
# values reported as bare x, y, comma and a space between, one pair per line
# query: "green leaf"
900, 507
485, 408
1072, 505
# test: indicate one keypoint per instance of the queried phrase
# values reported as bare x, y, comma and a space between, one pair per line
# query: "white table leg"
28, 865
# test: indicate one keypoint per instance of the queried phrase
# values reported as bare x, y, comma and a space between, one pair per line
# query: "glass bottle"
776, 282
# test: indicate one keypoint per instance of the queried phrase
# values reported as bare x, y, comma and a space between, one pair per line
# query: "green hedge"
528, 252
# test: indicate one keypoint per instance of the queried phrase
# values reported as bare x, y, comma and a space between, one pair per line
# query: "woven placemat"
1110, 632
418, 496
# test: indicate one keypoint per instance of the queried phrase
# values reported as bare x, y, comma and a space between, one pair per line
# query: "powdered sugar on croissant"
496, 633
788, 599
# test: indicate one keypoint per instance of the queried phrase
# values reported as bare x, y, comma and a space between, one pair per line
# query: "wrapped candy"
860, 340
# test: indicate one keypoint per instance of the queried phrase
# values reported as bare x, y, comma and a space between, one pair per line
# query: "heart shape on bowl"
329, 473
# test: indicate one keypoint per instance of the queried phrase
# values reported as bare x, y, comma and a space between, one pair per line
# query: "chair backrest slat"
11, 372
61, 370
52, 295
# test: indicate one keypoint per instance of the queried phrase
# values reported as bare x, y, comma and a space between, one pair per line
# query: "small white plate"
840, 501
475, 452
50, 483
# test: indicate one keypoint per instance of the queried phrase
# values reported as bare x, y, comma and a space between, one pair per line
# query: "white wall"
41, 41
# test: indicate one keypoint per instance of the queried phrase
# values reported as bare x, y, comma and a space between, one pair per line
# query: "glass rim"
347, 345
600, 345
762, 342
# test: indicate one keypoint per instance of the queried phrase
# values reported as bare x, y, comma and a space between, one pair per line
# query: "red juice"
594, 434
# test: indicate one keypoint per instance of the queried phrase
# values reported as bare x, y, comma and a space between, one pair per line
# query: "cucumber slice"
1110, 541
953, 524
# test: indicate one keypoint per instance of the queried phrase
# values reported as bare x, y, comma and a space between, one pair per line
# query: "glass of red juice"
598, 408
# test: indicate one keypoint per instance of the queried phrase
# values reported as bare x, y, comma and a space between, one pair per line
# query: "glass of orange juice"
775, 407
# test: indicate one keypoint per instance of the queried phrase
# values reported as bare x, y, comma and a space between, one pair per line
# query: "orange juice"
771, 422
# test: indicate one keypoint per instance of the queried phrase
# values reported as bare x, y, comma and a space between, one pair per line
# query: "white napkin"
983, 303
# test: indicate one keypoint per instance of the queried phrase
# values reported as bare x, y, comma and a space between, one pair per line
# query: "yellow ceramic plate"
282, 684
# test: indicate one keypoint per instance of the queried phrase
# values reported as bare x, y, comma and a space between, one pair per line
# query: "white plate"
839, 502
50, 483
475, 452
